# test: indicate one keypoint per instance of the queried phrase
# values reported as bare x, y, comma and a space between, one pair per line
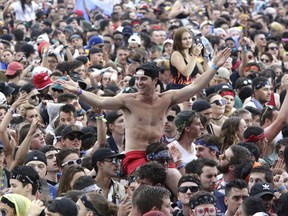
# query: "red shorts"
135, 159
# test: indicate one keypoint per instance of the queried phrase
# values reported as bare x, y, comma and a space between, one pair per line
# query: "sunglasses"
112, 160
34, 97
250, 57
265, 60
163, 160
220, 102
170, 118
72, 137
201, 211
184, 189
73, 162
246, 82
273, 48
69, 8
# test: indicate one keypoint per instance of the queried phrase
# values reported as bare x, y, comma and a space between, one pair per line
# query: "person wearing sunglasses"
169, 131
33, 94
202, 204
272, 47
71, 137
188, 186
266, 58
218, 108
106, 163
158, 152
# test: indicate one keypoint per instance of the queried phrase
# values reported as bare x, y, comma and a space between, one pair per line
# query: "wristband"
45, 56
181, 166
281, 188
11, 110
79, 91
101, 118
65, 47
194, 55
214, 67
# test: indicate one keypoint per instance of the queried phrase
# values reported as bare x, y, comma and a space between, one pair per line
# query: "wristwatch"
11, 110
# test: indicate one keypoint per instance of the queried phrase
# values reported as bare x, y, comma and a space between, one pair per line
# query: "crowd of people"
152, 108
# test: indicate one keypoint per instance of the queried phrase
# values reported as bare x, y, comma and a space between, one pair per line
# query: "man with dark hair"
67, 114
86, 184
235, 192
106, 164
169, 131
106, 27
151, 173
260, 174
156, 198
24, 180
188, 186
235, 163
71, 137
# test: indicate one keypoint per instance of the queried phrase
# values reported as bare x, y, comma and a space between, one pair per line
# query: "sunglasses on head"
170, 118
219, 102
184, 189
72, 137
72, 162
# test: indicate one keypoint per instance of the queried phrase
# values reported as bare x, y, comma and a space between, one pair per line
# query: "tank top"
178, 79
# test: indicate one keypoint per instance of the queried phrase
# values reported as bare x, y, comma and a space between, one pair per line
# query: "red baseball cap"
42, 80
13, 67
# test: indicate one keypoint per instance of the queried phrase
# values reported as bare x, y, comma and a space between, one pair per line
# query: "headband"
203, 199
90, 188
209, 145
253, 67
262, 84
285, 39
158, 155
227, 93
253, 138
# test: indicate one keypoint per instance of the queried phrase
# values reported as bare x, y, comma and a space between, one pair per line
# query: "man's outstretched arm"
111, 103
202, 81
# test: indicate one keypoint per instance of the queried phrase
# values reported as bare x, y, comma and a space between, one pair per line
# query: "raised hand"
197, 49
22, 99
68, 85
221, 56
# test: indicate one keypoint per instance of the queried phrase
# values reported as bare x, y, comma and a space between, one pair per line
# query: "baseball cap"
183, 119
261, 188
150, 69
13, 67
6, 89
64, 206
102, 153
76, 78
95, 40
134, 39
201, 105
205, 23
42, 80
3, 100
127, 30
35, 156
168, 41
71, 129
223, 73
69, 28
74, 36
112, 116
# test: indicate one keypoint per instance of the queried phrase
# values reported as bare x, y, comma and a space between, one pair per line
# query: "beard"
223, 169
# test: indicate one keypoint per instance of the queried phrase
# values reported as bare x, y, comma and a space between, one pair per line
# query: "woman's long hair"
177, 40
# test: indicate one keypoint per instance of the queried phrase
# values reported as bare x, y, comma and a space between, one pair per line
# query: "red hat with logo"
42, 80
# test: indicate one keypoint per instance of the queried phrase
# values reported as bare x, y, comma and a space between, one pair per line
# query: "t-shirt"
28, 14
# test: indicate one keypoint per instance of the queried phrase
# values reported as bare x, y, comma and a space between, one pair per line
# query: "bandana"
263, 84
227, 93
253, 68
254, 138
203, 199
209, 145
158, 155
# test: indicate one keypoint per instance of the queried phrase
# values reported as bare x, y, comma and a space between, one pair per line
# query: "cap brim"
259, 195
120, 156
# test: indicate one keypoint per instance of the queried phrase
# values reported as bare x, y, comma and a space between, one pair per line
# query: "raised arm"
111, 103
202, 81
282, 118
177, 61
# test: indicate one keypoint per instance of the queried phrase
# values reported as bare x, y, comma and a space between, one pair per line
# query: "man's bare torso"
144, 120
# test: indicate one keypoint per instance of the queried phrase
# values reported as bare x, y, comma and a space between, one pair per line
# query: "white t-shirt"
186, 156
28, 14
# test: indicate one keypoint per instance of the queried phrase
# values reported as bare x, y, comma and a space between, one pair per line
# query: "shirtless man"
145, 111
